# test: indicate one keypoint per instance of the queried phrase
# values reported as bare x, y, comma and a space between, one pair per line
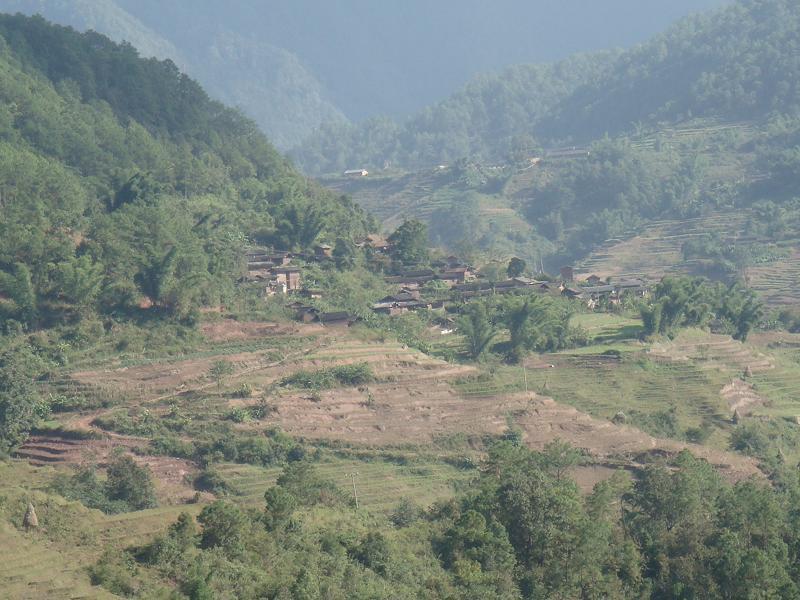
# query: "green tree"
20, 288
477, 329
410, 242
480, 555
219, 370
21, 408
344, 253
280, 506
670, 515
139, 188
80, 281
534, 323
156, 274
131, 484
298, 225
374, 553
743, 308
516, 267
184, 531
223, 526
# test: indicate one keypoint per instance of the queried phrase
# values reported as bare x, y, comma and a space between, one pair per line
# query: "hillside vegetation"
268, 83
385, 422
738, 62
121, 180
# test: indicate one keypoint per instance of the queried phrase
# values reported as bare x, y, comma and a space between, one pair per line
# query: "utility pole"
525, 376
355, 492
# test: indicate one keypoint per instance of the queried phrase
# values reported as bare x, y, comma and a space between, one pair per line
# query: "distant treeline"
735, 63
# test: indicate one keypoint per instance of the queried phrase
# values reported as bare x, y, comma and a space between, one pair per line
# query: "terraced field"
33, 569
393, 199
657, 250
400, 433
379, 484
137, 528
778, 283
710, 351
52, 561
780, 386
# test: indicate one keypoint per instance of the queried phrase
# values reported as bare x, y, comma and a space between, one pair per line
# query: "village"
442, 287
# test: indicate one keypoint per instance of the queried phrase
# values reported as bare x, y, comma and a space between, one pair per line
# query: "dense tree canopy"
121, 181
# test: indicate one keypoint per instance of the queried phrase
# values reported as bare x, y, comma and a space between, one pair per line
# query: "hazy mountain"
266, 82
396, 57
293, 65
734, 63
104, 16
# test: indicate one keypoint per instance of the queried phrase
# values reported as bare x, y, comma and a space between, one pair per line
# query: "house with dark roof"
307, 314
413, 279
458, 275
336, 319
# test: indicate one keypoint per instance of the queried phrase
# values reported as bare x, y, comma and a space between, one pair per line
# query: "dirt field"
419, 414
414, 402
171, 475
226, 330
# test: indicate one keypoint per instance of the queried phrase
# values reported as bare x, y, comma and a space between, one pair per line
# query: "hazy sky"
395, 56
432, 47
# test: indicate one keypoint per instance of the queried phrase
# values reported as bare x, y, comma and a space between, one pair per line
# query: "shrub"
84, 487
342, 375
115, 572
172, 446
245, 390
260, 411
210, 480
405, 513
660, 424
238, 415
698, 435
129, 483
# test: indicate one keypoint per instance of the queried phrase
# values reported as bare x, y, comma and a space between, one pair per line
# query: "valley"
539, 339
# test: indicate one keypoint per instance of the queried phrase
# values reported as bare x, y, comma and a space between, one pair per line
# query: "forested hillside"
219, 379
493, 117
103, 16
268, 83
122, 183
732, 64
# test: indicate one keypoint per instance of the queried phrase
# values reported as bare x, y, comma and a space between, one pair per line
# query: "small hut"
30, 520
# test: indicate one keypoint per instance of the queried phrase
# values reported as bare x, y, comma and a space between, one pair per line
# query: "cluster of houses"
465, 283
275, 273
458, 281
274, 269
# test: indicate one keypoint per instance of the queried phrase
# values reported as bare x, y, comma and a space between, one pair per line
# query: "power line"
355, 492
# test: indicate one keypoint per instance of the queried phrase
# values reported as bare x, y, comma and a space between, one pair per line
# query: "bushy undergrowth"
339, 376
128, 487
